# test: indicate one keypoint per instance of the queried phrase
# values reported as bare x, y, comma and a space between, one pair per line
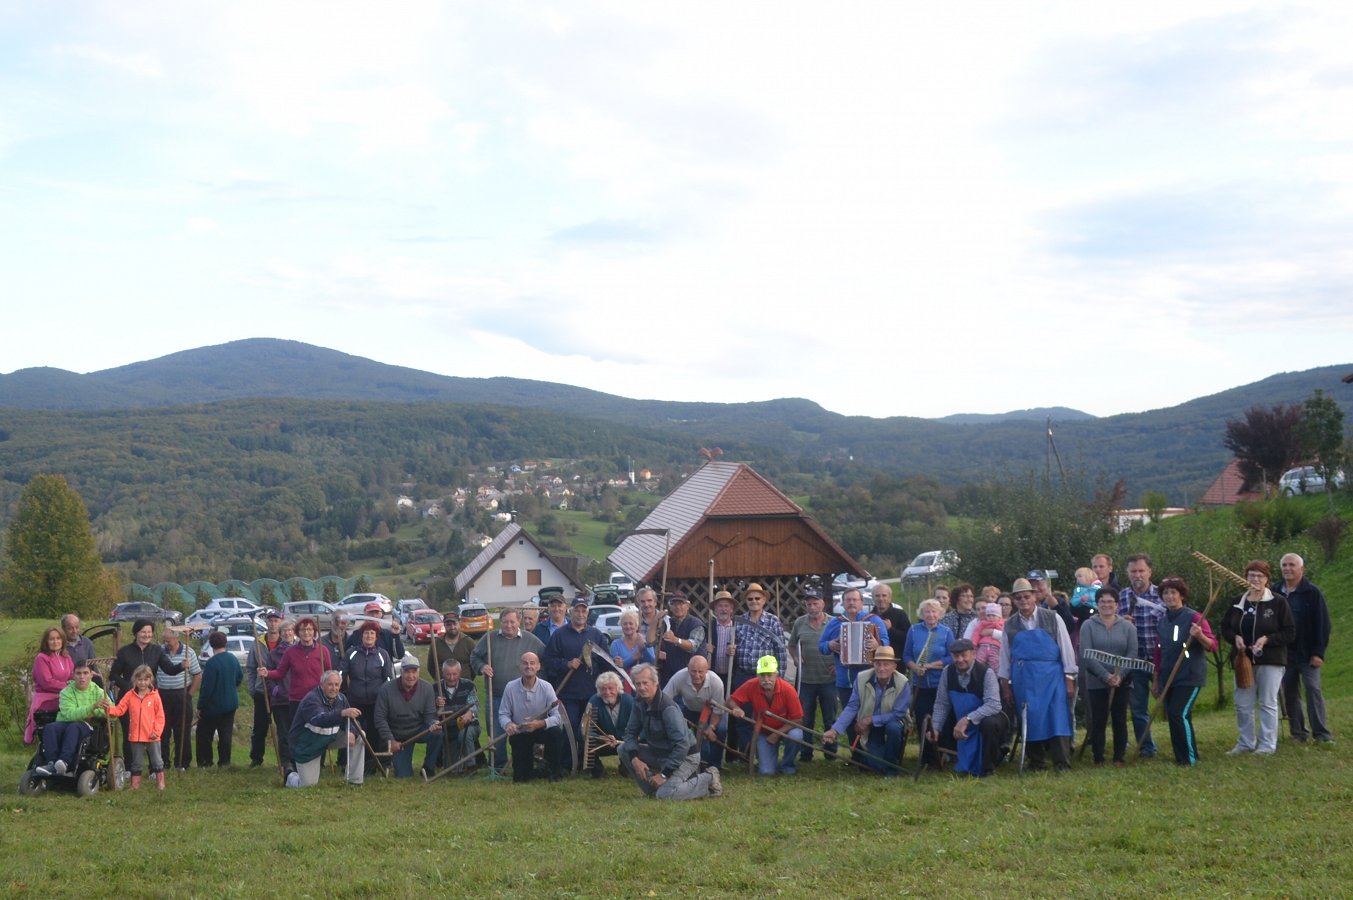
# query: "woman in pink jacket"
52, 671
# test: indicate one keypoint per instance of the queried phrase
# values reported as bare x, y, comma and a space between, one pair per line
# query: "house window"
533, 577
509, 578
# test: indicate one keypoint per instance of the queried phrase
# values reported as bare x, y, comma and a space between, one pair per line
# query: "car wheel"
31, 784
87, 784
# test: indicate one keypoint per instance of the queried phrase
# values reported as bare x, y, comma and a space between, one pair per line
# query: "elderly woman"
1259, 627
1108, 632
964, 611
610, 709
925, 654
1183, 633
52, 671
629, 649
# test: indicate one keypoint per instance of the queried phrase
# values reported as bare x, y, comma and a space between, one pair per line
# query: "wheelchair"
94, 769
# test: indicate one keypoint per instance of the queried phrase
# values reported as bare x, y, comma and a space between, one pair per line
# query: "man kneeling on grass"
318, 724
659, 749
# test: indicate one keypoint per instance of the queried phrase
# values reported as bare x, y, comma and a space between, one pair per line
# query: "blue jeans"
886, 744
499, 761
711, 754
1141, 712
61, 740
816, 697
786, 750
402, 759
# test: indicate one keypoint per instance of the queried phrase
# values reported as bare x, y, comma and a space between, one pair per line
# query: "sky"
888, 208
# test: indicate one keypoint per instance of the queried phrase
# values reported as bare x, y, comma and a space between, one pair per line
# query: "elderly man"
176, 693
529, 715
878, 710
1038, 676
695, 688
758, 634
683, 639
1306, 654
1038, 579
815, 670
721, 643
406, 714
80, 648
318, 723
1141, 604
452, 645
775, 706
567, 653
899, 623
852, 602
968, 714
460, 732
530, 618
501, 651
658, 748
610, 708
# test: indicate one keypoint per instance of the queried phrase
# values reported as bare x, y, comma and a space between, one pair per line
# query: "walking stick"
1023, 737
436, 682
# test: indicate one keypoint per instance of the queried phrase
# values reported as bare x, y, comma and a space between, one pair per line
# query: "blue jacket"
845, 675
565, 644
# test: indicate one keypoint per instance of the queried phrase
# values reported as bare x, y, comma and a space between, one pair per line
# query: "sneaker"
1265, 752
60, 768
293, 779
1237, 750
43, 771
715, 783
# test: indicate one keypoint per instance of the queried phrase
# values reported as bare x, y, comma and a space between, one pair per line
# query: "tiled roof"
499, 545
1228, 489
749, 494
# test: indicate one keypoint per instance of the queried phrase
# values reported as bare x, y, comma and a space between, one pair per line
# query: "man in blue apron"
968, 716
1037, 674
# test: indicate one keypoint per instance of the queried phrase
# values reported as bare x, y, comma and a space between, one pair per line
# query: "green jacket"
77, 705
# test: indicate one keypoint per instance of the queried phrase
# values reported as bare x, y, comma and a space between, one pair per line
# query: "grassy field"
1233, 827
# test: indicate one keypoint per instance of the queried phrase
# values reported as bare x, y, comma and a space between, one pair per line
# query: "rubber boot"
136, 782
159, 780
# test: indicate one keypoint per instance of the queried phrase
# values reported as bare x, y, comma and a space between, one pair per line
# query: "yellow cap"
767, 665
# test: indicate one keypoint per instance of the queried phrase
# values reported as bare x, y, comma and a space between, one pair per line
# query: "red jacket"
305, 665
784, 701
145, 715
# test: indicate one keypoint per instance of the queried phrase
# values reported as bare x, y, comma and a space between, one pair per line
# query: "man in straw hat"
878, 709
1038, 676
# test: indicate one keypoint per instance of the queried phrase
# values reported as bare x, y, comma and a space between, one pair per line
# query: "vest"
1193, 670
1045, 619
677, 658
865, 688
977, 678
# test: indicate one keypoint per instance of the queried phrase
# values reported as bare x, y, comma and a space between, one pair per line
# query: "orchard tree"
1267, 442
53, 567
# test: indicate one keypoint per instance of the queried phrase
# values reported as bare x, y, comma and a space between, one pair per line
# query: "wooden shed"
728, 525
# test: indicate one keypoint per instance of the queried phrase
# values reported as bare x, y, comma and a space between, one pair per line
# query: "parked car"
475, 619
239, 626
930, 564
232, 605
203, 618
424, 625
597, 610
141, 609
404, 608
624, 585
356, 603
605, 593
316, 608
608, 623
847, 582
1306, 480
240, 646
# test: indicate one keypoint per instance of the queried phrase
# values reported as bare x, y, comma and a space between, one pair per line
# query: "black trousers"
176, 728
258, 741
1102, 713
221, 727
523, 752
922, 705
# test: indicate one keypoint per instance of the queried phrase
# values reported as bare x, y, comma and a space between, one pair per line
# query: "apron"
969, 751
1036, 670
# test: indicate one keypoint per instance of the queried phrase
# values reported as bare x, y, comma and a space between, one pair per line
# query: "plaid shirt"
753, 644
1147, 611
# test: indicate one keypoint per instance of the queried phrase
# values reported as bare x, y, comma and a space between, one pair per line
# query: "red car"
424, 625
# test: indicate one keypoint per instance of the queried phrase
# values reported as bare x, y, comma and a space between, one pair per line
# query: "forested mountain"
276, 457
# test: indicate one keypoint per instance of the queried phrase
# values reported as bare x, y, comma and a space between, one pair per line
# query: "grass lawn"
590, 538
1234, 826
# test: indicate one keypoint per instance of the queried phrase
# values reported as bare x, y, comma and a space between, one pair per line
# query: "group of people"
674, 696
